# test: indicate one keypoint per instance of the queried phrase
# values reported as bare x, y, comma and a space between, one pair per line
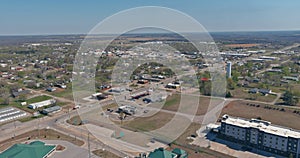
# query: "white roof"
261, 125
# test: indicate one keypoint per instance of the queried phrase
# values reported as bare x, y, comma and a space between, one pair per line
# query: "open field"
110, 106
38, 99
43, 134
243, 93
64, 93
149, 123
172, 103
274, 114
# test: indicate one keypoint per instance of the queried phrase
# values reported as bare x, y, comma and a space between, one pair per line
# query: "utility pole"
89, 146
15, 128
69, 112
39, 128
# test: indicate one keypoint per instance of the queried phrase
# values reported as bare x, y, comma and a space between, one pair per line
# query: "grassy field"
243, 93
149, 123
64, 93
172, 103
25, 119
274, 114
38, 99
105, 154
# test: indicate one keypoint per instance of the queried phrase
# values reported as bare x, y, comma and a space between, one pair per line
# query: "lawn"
38, 99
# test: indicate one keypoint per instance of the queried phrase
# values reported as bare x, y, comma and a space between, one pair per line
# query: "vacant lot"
274, 114
38, 99
64, 93
172, 103
75, 120
149, 123
243, 93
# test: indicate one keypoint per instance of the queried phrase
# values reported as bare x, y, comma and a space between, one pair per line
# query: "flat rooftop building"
42, 104
262, 135
52, 109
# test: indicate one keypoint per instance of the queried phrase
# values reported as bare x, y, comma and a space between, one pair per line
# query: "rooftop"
36, 149
261, 125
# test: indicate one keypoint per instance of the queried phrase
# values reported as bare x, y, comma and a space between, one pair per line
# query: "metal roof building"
51, 110
36, 149
41, 104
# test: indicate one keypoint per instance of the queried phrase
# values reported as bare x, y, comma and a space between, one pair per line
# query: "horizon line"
225, 31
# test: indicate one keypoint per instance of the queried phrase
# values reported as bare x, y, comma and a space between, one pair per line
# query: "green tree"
286, 70
289, 98
230, 84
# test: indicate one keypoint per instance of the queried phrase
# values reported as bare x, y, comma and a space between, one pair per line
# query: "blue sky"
19, 17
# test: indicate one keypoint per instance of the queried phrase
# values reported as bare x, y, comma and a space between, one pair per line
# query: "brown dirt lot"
149, 123
172, 103
283, 118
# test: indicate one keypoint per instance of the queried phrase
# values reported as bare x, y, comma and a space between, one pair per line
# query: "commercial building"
42, 104
130, 110
262, 135
36, 149
7, 114
172, 86
139, 94
52, 109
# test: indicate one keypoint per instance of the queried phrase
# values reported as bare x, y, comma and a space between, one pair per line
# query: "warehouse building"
139, 94
42, 104
8, 114
36, 149
262, 135
51, 110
